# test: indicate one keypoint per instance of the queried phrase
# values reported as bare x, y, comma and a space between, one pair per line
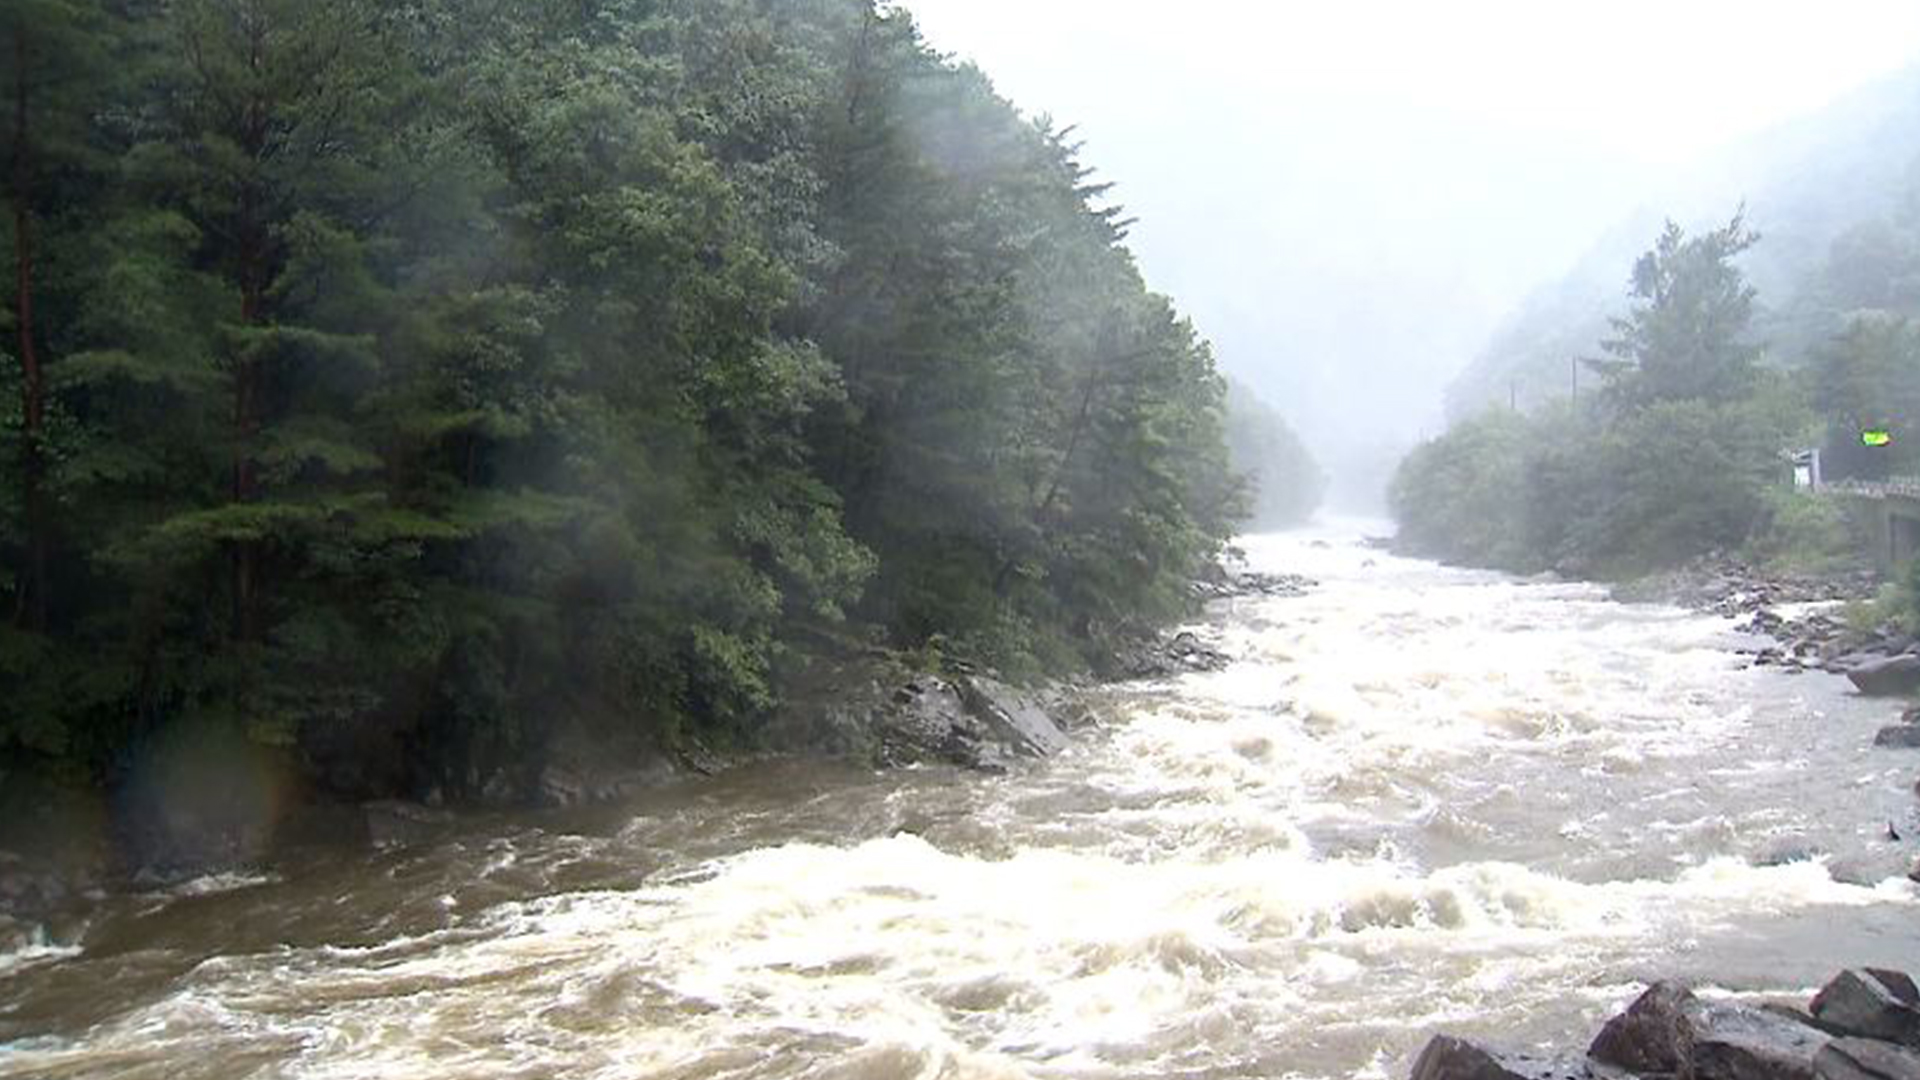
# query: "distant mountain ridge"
1805, 184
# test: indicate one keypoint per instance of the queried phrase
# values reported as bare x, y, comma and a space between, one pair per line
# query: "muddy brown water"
1420, 799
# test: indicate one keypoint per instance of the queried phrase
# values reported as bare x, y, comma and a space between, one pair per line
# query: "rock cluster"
878, 711
1864, 1025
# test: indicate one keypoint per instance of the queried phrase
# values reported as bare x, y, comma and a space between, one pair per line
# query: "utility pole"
1573, 370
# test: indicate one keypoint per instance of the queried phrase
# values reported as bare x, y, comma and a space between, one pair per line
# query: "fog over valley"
1349, 198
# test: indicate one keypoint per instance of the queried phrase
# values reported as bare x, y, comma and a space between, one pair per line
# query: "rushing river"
1421, 799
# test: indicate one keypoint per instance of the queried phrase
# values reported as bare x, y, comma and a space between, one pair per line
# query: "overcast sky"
1347, 195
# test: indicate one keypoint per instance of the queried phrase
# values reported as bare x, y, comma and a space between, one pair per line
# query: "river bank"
65, 848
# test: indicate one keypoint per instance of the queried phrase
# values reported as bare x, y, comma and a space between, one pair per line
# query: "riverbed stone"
1014, 718
1893, 676
398, 823
1670, 1030
1450, 1058
1865, 1059
1873, 1003
1647, 1037
1898, 737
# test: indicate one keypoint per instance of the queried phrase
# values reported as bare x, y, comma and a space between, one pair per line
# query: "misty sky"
1347, 196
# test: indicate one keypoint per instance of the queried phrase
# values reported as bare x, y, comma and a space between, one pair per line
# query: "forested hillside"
1834, 196
438, 369
1285, 482
1614, 430
1680, 447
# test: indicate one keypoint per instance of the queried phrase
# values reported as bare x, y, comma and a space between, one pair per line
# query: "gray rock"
1898, 737
1648, 1036
1865, 1059
1893, 676
1873, 1003
1448, 1058
1013, 718
394, 823
1669, 1030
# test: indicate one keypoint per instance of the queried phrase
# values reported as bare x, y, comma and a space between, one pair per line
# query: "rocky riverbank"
63, 848
1801, 613
1863, 1025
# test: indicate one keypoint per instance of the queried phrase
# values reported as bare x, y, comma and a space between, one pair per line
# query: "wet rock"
1669, 1030
1898, 737
590, 759
1865, 1059
1448, 1058
1871, 1002
396, 823
1165, 657
1014, 718
1892, 677
926, 721
1647, 1038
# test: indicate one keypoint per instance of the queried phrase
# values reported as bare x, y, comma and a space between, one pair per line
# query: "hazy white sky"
1347, 195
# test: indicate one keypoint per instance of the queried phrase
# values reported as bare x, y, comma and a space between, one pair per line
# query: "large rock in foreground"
1865, 1059
1864, 1025
1448, 1058
1871, 1003
1669, 1030
1895, 676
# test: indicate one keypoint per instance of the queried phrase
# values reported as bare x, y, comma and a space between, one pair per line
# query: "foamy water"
1420, 799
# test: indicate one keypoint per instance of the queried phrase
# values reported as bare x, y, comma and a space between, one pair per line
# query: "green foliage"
1806, 534
443, 369
1461, 497
1287, 483
1681, 457
1685, 335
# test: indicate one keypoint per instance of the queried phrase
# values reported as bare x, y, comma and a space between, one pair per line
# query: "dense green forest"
437, 369
1679, 448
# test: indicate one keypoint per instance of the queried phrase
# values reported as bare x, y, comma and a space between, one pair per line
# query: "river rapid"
1420, 799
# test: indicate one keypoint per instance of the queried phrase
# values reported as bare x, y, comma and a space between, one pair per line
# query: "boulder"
1669, 1030
1873, 1003
1865, 1059
1647, 1038
1448, 1058
1893, 676
926, 721
1015, 719
1898, 737
397, 823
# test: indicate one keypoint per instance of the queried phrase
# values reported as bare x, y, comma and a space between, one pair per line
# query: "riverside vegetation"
397, 384
1677, 456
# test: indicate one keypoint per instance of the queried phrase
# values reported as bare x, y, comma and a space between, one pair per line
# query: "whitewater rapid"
1420, 799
